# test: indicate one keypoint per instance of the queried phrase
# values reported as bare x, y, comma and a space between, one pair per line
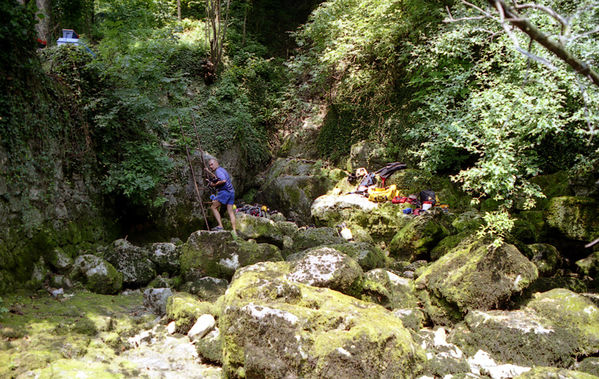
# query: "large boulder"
443, 358
574, 217
370, 155
327, 267
554, 372
59, 260
165, 256
291, 185
273, 327
155, 299
96, 274
265, 230
390, 290
366, 254
218, 254
419, 236
133, 261
381, 220
546, 257
573, 313
305, 238
478, 275
206, 288
521, 337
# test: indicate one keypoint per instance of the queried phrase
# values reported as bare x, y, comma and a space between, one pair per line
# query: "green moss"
476, 275
553, 372
571, 312
61, 332
575, 217
185, 309
328, 326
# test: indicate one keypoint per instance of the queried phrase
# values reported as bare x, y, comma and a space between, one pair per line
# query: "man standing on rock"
225, 194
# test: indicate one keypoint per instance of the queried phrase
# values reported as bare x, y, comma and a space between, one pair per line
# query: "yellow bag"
379, 195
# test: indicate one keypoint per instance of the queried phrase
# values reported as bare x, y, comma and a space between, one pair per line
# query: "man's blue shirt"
222, 174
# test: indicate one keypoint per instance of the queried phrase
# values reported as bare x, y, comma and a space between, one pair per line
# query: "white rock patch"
261, 312
232, 263
482, 362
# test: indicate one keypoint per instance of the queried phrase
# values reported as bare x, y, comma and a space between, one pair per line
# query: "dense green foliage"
456, 95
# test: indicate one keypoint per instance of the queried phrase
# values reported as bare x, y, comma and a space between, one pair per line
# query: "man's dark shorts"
225, 197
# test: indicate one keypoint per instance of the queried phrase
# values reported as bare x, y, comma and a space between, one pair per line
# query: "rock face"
165, 256
96, 274
274, 327
519, 337
366, 254
573, 313
478, 275
419, 236
390, 290
265, 230
155, 299
132, 261
291, 185
327, 267
382, 221
574, 217
218, 255
306, 238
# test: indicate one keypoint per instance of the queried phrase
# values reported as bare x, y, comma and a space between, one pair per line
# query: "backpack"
428, 195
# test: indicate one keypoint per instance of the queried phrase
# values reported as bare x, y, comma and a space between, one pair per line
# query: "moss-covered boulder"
554, 372
389, 290
552, 185
589, 265
478, 275
437, 310
366, 254
184, 309
59, 260
206, 288
96, 274
444, 359
165, 256
291, 185
573, 313
273, 327
133, 261
574, 217
367, 154
546, 257
327, 267
589, 365
305, 238
380, 220
412, 318
520, 337
218, 254
529, 226
416, 239
265, 230
210, 347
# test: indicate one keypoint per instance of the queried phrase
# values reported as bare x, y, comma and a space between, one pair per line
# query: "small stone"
171, 328
203, 325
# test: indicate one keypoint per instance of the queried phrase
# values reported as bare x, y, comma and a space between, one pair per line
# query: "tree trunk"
43, 26
179, 10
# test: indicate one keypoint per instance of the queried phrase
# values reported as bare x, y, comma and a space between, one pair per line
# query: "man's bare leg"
231, 212
215, 210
